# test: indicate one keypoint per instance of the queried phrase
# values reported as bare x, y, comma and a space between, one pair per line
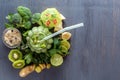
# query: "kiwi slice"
18, 64
14, 55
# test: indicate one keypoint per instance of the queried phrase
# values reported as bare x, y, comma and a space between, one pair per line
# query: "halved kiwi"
18, 64
14, 55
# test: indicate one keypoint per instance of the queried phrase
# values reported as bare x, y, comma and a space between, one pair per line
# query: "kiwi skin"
18, 64
11, 55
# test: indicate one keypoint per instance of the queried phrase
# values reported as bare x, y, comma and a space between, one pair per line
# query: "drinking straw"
63, 30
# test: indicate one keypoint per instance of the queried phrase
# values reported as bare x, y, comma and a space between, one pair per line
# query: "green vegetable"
8, 25
15, 55
41, 58
52, 52
27, 25
14, 18
24, 12
20, 19
36, 18
28, 58
56, 42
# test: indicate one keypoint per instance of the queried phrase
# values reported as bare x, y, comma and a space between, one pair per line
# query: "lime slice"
56, 60
65, 43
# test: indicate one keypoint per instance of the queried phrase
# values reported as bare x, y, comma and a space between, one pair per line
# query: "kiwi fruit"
18, 64
14, 55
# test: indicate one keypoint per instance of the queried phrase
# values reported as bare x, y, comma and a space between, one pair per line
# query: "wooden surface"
95, 49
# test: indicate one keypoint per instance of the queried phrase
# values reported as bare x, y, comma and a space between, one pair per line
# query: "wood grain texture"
95, 49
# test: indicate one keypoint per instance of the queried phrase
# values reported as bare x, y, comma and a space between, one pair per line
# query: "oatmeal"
12, 37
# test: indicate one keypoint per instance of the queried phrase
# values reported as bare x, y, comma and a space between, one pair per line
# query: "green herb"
7, 25
28, 58
56, 42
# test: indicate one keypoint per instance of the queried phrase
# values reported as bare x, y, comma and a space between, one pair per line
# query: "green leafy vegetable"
7, 25
36, 18
20, 19
27, 25
14, 18
28, 58
56, 42
52, 52
24, 12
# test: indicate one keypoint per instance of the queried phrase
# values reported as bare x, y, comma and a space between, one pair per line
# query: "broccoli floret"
36, 18
27, 25
14, 18
24, 12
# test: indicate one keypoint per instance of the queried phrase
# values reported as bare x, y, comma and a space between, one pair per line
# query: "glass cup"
11, 37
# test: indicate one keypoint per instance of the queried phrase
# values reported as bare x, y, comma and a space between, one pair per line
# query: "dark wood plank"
94, 48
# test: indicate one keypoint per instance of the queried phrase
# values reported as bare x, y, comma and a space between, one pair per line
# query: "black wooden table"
95, 49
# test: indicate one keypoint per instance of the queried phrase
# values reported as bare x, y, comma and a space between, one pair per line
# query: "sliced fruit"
66, 35
42, 66
48, 66
65, 43
38, 69
14, 55
18, 64
56, 60
63, 48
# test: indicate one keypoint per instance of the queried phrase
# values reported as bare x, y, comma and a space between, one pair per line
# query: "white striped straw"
63, 30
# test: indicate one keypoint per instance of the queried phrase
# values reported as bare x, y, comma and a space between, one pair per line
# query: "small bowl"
11, 37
